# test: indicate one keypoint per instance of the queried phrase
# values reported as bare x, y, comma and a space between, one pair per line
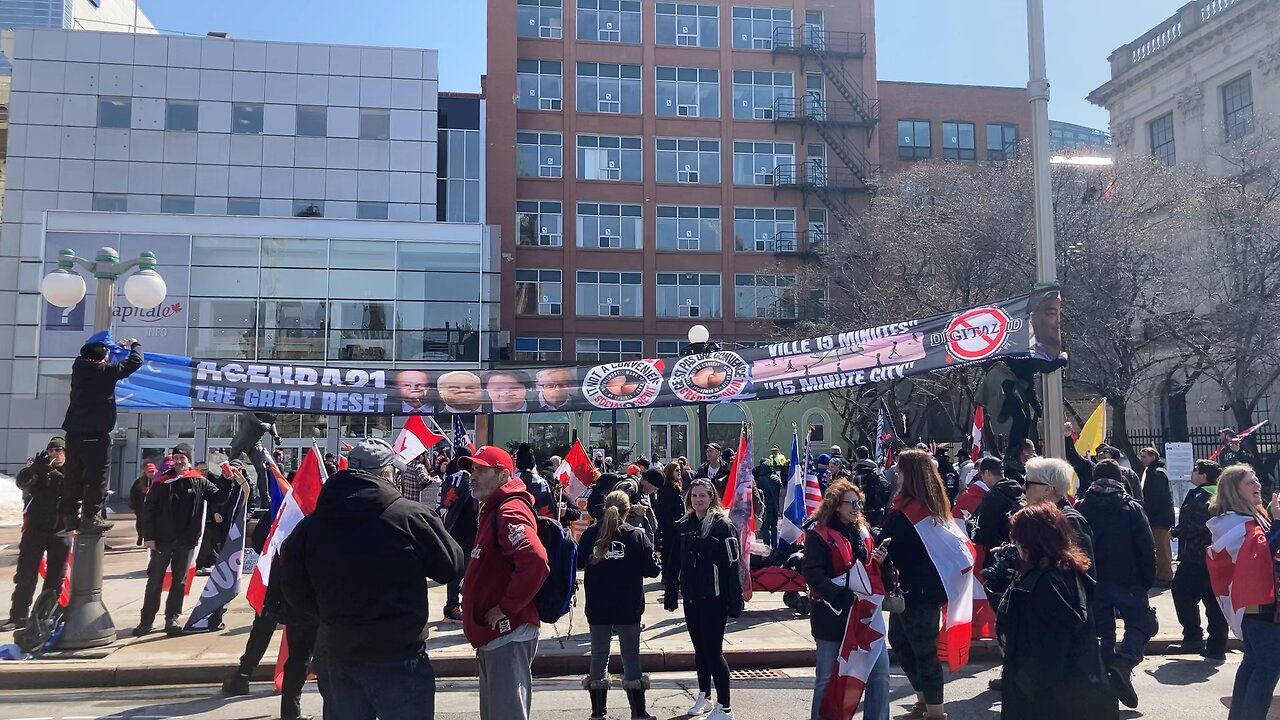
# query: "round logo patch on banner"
707, 378
617, 386
976, 334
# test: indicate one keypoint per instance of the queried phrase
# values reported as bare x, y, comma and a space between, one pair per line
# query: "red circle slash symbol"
978, 333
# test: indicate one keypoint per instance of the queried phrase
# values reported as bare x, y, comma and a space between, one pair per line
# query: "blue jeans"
875, 699
1140, 624
1259, 671
386, 690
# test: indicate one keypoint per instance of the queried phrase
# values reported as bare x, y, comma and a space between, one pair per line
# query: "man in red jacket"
508, 566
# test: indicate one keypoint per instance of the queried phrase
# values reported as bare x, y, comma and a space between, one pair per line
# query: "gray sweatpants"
506, 681
628, 644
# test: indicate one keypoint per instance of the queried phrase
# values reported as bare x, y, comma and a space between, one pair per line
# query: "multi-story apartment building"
950, 122
665, 164
290, 192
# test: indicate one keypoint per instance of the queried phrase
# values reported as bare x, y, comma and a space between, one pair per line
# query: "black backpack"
555, 597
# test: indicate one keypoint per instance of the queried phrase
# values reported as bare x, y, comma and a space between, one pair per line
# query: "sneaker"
144, 628
13, 624
172, 627
236, 685
453, 616
701, 706
721, 713
204, 572
95, 525
1121, 678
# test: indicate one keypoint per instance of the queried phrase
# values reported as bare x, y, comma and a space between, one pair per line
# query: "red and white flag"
952, 554
414, 439
966, 506
576, 474
864, 640
1243, 434
1239, 563
299, 503
739, 498
342, 458
975, 450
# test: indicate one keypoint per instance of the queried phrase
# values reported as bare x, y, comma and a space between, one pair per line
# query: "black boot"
599, 691
236, 685
635, 695
1120, 675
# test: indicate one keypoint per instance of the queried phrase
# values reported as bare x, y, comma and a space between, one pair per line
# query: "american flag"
461, 440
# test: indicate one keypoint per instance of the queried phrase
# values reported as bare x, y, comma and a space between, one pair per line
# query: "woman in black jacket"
1157, 502
1045, 622
620, 558
668, 507
706, 577
1191, 585
841, 565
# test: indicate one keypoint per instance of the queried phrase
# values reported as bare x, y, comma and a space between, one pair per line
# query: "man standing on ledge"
91, 416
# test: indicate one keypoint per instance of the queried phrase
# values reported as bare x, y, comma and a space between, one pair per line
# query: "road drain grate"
757, 674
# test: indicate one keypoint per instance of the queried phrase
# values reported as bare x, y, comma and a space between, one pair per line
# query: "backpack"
555, 597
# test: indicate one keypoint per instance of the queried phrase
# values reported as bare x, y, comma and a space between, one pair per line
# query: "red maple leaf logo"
863, 636
1249, 578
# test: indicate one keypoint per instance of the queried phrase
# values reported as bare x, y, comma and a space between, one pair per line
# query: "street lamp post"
1046, 251
88, 624
700, 342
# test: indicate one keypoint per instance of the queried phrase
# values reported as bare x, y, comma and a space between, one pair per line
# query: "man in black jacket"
769, 483
360, 563
41, 482
1004, 499
172, 522
1231, 452
875, 488
715, 468
1157, 501
91, 416
1125, 554
1191, 584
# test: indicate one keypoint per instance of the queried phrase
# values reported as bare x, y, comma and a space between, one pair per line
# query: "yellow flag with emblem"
1094, 430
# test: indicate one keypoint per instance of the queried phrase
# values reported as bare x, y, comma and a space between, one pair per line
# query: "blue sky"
948, 41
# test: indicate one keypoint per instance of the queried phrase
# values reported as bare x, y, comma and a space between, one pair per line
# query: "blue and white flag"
224, 580
793, 511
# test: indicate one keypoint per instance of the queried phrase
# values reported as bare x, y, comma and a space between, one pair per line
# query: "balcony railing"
1189, 18
830, 111
811, 38
811, 175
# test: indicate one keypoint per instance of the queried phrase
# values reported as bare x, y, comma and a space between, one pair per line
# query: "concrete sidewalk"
767, 636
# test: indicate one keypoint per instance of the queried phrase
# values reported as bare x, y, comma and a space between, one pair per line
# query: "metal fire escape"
843, 107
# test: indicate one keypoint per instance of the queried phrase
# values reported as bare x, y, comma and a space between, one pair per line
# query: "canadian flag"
414, 439
864, 640
975, 450
576, 475
299, 503
1239, 563
952, 554
966, 506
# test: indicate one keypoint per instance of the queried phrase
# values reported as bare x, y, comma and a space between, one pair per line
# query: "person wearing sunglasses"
41, 486
1049, 480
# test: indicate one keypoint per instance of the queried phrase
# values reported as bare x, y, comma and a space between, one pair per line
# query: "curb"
60, 675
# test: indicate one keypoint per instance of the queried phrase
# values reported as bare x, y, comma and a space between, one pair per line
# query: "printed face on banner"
459, 392
414, 387
507, 390
555, 388
1046, 326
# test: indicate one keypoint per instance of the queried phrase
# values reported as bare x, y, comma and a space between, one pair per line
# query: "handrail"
812, 38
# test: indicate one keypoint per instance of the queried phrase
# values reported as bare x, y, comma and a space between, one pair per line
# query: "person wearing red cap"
508, 566
138, 496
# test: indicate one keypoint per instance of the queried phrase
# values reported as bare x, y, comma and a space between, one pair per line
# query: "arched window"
669, 433
600, 431
549, 434
724, 424
818, 421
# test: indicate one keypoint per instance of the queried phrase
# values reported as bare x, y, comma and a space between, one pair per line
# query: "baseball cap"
824, 459
991, 464
712, 446
370, 454
491, 457
634, 469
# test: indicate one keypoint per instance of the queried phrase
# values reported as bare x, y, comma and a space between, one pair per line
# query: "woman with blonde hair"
934, 560
842, 564
1243, 528
620, 557
704, 574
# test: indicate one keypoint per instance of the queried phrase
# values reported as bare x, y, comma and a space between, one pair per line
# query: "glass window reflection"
295, 253
278, 282
368, 254
224, 251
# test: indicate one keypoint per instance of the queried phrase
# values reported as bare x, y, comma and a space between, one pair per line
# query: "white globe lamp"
63, 288
698, 334
145, 289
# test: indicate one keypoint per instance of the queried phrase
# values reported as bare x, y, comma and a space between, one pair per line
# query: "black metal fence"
1205, 440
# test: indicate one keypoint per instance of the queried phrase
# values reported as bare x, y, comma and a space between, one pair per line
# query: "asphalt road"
1170, 689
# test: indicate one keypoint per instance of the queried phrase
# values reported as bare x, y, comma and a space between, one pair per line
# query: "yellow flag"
1094, 430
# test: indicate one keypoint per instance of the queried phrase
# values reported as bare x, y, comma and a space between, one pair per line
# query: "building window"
539, 84
818, 422
539, 19
372, 211
724, 424
765, 296
532, 349
110, 202
1237, 108
549, 434
688, 227
959, 141
688, 160
603, 225
361, 331
308, 208
672, 348
913, 139
312, 121
610, 157
246, 118
761, 229
754, 27
115, 112
182, 115
689, 295
609, 88
688, 25
539, 154
609, 20
669, 431
602, 430
1002, 142
178, 204
754, 163
244, 206
756, 92
688, 92
601, 351
1162, 147
459, 166
610, 294
539, 292
540, 223
375, 124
